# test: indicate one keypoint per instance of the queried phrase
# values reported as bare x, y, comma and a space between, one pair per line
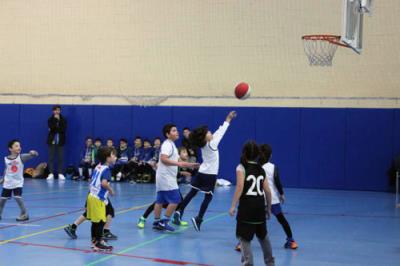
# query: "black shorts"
247, 231
204, 182
6, 193
109, 209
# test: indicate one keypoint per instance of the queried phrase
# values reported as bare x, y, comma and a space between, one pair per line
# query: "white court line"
16, 224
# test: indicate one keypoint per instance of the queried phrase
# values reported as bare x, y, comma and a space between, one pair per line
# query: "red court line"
166, 261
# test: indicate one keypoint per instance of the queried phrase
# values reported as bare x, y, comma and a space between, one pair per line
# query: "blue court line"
152, 240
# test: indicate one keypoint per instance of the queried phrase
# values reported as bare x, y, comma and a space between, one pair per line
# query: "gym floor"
331, 227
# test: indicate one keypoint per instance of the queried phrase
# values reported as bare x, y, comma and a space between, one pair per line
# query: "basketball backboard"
353, 15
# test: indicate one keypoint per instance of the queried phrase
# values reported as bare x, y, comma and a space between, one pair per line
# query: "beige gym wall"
194, 51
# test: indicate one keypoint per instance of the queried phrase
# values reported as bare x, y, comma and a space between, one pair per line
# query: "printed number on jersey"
256, 187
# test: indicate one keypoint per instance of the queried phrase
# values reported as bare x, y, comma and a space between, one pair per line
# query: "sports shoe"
184, 223
238, 247
50, 177
110, 236
141, 222
93, 242
164, 226
291, 244
70, 231
157, 226
61, 177
177, 219
23, 217
196, 221
102, 246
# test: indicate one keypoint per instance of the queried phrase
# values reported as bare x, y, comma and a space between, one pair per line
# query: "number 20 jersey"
252, 201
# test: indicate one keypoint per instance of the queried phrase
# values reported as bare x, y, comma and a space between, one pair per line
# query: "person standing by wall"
56, 141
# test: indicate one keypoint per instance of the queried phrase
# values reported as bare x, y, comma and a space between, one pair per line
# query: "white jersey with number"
14, 173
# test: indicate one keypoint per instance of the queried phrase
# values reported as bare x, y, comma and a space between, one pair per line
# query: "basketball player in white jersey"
14, 177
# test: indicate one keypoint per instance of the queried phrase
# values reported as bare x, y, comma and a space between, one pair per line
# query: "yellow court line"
60, 227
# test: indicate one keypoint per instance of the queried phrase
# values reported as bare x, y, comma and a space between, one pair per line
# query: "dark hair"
182, 148
198, 137
12, 142
265, 153
88, 137
157, 138
104, 152
146, 140
123, 140
97, 139
185, 128
138, 137
167, 129
250, 152
57, 106
110, 139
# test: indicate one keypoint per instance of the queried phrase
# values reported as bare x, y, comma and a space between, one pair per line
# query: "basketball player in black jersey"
254, 197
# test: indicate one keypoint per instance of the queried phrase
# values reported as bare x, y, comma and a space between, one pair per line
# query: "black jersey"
252, 201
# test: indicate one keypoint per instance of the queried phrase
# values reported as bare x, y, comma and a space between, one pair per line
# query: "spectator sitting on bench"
87, 160
124, 154
97, 145
156, 153
145, 171
184, 174
110, 143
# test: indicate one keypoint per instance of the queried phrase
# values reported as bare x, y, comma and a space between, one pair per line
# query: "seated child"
184, 174
87, 160
124, 154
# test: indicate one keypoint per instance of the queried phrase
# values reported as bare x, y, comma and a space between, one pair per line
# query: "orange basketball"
242, 91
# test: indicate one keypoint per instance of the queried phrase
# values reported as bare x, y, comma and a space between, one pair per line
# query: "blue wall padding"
332, 148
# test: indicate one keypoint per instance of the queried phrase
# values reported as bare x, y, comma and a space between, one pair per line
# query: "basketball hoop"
320, 48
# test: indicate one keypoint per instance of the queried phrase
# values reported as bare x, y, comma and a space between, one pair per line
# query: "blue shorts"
276, 209
168, 197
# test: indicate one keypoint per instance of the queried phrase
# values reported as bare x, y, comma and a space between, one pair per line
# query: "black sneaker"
197, 223
70, 232
110, 236
101, 247
22, 218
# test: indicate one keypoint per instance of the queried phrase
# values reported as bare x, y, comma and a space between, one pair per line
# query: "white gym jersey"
14, 173
210, 152
269, 169
166, 174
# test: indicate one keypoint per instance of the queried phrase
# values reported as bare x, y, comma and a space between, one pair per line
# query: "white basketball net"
320, 51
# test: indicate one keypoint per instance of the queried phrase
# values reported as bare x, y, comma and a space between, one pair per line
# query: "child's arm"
217, 136
105, 184
164, 158
278, 184
238, 191
28, 156
268, 197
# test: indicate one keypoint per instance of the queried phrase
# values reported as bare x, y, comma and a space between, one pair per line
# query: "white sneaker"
61, 177
119, 175
50, 177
